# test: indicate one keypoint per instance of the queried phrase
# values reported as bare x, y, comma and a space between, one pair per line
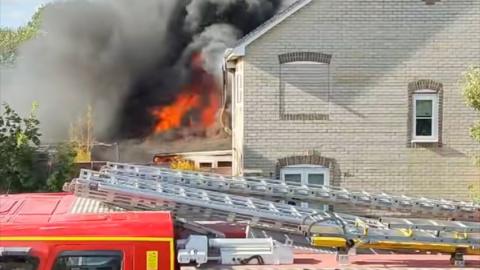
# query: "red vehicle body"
54, 230
57, 240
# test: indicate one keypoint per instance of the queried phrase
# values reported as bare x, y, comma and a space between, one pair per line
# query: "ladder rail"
279, 189
190, 196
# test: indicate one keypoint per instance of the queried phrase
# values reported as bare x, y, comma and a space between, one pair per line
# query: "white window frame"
304, 170
425, 95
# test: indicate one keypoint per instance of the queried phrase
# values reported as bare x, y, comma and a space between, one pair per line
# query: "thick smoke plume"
124, 58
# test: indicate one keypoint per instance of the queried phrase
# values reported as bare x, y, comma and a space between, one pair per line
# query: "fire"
196, 105
171, 116
209, 114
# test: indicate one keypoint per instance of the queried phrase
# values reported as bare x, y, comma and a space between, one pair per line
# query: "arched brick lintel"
425, 84
311, 159
305, 57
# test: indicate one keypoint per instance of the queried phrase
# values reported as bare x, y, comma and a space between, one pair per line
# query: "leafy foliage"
24, 166
472, 96
18, 140
64, 167
81, 134
10, 39
471, 89
474, 193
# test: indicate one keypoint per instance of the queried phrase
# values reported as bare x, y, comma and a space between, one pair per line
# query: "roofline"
213, 152
239, 49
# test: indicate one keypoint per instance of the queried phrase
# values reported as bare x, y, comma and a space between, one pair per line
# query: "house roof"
198, 153
239, 48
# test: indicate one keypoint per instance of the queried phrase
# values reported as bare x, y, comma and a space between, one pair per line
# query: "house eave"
239, 49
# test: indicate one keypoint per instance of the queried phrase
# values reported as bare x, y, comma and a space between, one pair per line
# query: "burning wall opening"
195, 107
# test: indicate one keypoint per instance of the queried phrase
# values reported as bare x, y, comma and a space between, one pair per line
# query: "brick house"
360, 94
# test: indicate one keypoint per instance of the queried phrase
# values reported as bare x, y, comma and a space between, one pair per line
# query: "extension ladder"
325, 229
278, 189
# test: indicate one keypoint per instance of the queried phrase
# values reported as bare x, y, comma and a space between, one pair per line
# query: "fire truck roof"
37, 214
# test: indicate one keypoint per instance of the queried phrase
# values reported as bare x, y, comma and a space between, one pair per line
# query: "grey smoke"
122, 57
212, 43
195, 15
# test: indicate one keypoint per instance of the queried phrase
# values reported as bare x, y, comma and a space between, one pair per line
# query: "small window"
205, 165
316, 178
309, 175
18, 263
293, 178
425, 122
89, 260
223, 164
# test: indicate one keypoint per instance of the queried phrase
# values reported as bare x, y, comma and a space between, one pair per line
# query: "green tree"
471, 89
64, 166
472, 96
10, 39
24, 166
19, 138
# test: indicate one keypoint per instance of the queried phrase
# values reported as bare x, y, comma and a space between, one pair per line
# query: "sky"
15, 13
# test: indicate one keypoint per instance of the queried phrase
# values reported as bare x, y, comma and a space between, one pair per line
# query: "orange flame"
170, 116
209, 114
200, 98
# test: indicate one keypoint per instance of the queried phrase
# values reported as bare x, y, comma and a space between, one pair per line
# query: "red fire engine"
53, 232
50, 232
129, 240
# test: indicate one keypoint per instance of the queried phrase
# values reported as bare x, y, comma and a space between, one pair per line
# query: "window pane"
17, 263
291, 177
316, 178
224, 164
205, 165
88, 263
424, 127
317, 206
424, 108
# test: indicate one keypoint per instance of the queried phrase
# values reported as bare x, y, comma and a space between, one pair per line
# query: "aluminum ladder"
266, 188
139, 193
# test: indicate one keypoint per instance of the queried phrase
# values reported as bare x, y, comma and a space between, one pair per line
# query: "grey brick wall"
378, 47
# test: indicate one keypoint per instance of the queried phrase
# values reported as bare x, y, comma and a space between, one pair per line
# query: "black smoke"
123, 57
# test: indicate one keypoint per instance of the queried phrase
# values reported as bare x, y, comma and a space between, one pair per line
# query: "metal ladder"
320, 193
139, 193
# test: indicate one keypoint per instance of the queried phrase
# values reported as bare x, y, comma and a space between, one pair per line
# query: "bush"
24, 166
474, 193
19, 138
471, 90
472, 96
63, 167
